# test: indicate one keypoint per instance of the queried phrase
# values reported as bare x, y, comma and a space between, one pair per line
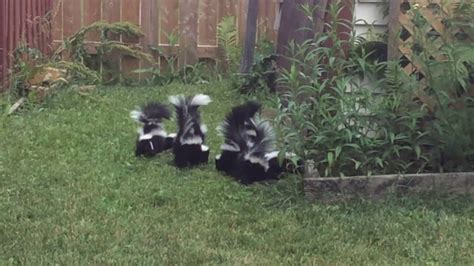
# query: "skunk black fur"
189, 148
247, 153
152, 137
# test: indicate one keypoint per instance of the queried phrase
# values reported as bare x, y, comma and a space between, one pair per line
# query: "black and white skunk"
248, 154
152, 137
189, 148
237, 128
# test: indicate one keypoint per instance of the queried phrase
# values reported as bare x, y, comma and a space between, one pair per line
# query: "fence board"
169, 19
92, 13
226, 8
188, 31
148, 21
20, 24
42, 30
29, 33
71, 17
130, 13
57, 21
208, 19
242, 18
11, 34
157, 18
111, 13
17, 25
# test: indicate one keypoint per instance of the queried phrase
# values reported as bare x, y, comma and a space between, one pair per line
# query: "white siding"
371, 14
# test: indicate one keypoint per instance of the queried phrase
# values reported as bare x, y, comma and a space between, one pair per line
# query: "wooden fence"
22, 21
195, 22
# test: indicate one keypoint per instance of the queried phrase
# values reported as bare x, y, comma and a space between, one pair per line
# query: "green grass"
72, 192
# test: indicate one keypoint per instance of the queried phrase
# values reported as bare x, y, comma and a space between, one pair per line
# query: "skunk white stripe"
203, 128
193, 140
251, 132
172, 135
271, 155
230, 147
258, 160
200, 99
250, 143
135, 115
151, 145
177, 100
145, 137
155, 132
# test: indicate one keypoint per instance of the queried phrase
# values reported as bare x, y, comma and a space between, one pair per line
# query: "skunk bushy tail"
153, 112
152, 137
246, 143
239, 126
189, 119
189, 149
252, 164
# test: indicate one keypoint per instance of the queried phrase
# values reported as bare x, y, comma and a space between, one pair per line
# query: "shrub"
338, 112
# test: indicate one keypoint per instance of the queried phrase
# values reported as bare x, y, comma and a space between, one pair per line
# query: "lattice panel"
422, 19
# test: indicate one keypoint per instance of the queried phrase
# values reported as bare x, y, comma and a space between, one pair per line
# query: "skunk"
152, 137
247, 153
236, 128
189, 148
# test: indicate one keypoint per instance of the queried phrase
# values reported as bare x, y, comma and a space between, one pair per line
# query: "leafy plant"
337, 113
263, 76
167, 71
340, 112
75, 46
230, 49
446, 66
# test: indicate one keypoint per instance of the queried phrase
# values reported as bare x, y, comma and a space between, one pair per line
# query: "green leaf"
379, 162
392, 137
357, 164
330, 158
418, 152
338, 151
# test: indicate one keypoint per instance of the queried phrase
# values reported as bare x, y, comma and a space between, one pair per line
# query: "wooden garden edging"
376, 187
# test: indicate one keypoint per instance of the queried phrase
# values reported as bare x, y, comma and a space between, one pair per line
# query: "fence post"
250, 36
291, 23
394, 29
188, 27
149, 22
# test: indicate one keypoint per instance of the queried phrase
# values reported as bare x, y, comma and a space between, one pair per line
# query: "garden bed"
376, 187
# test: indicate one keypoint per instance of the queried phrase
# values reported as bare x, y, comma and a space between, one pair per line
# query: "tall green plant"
328, 114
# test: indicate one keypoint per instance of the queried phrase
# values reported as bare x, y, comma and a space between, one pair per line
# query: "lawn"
72, 192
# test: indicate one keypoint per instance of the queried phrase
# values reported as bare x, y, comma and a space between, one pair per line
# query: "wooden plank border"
377, 187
